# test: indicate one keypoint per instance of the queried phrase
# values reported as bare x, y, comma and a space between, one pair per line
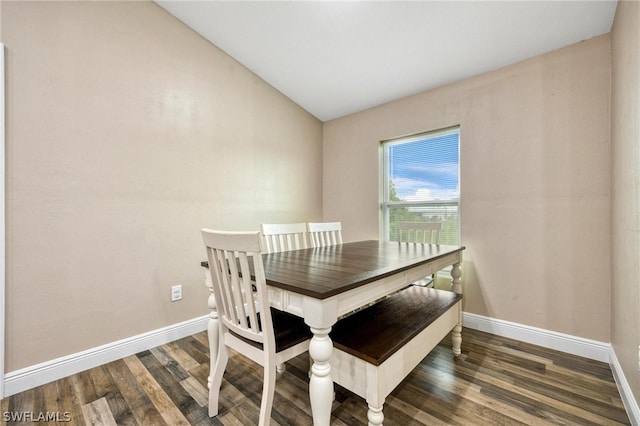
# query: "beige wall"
625, 190
119, 119
535, 184
126, 134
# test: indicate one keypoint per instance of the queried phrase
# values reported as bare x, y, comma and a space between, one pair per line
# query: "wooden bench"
377, 347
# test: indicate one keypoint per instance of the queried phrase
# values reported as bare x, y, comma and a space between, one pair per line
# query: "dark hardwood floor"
496, 381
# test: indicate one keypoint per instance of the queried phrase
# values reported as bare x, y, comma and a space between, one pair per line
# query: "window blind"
421, 182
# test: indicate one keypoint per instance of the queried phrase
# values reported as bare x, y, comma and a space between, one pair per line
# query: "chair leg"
268, 390
432, 284
216, 379
281, 368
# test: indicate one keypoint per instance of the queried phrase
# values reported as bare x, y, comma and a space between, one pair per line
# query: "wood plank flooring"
496, 381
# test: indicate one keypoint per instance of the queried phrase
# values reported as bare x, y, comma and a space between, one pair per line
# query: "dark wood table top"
323, 272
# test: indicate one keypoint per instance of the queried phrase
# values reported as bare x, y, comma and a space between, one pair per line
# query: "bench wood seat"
377, 347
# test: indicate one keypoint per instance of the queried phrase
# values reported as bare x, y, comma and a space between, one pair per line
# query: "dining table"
323, 284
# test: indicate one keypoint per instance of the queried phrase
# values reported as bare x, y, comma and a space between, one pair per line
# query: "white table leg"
456, 340
375, 416
321, 383
456, 282
456, 286
213, 331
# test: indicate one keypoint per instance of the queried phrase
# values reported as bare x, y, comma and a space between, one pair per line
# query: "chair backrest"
325, 233
234, 259
284, 237
419, 232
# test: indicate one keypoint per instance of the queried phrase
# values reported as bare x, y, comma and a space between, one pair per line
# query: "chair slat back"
324, 234
419, 232
284, 237
234, 258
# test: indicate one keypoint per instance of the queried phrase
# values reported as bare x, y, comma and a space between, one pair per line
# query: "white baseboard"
587, 348
629, 401
36, 375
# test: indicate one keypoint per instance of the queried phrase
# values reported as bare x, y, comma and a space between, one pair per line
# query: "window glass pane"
445, 213
421, 175
424, 169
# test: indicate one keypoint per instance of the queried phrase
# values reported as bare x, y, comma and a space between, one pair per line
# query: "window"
420, 183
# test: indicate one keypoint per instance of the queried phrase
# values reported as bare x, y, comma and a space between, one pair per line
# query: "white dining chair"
325, 233
419, 232
279, 237
265, 335
422, 233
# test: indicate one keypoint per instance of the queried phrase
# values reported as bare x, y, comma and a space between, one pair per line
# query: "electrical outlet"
176, 293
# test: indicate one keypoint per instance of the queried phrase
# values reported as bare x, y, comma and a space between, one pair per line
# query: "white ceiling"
334, 58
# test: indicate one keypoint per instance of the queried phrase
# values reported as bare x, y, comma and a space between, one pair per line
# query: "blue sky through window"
426, 169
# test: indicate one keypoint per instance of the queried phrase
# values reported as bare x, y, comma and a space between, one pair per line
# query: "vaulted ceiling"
335, 58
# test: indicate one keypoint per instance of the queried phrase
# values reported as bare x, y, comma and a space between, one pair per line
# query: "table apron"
348, 301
